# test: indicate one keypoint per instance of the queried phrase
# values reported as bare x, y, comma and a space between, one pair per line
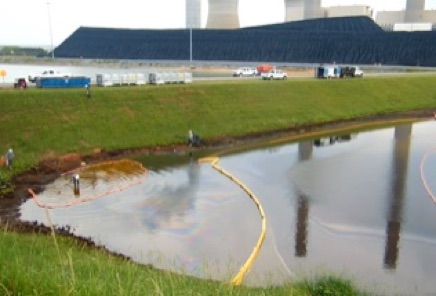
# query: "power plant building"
354, 10
414, 17
223, 14
193, 14
298, 10
313, 9
387, 19
414, 10
294, 10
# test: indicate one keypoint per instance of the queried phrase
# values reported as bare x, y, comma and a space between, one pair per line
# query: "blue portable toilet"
63, 82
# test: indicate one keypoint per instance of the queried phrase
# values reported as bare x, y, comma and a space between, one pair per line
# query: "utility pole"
190, 45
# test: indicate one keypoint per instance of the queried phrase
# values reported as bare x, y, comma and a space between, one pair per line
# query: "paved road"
303, 75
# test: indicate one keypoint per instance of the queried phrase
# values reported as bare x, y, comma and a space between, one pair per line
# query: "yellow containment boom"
237, 280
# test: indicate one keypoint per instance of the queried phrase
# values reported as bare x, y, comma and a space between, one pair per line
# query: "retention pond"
357, 205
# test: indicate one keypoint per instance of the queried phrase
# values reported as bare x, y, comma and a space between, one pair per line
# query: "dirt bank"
50, 169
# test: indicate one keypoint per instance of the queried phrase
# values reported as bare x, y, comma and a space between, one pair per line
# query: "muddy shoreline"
50, 169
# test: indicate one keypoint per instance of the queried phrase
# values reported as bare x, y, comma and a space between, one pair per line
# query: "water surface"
352, 205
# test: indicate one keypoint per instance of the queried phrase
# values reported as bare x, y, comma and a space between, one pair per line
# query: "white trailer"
156, 78
116, 79
187, 77
174, 77
169, 77
104, 79
140, 79
131, 79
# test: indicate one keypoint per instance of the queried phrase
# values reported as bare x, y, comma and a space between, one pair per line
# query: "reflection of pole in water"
302, 223
193, 170
305, 150
399, 173
76, 184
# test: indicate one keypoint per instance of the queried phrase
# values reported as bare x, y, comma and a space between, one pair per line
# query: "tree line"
23, 51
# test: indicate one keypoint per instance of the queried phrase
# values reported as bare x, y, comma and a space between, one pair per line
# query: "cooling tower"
414, 11
298, 10
312, 9
223, 14
294, 10
193, 14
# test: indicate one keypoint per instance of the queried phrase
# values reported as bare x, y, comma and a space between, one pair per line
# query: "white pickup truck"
48, 73
274, 74
245, 71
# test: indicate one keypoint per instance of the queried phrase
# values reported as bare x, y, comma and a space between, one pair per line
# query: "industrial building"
414, 10
414, 14
193, 14
313, 9
388, 20
223, 14
298, 10
342, 40
354, 10
294, 10
413, 18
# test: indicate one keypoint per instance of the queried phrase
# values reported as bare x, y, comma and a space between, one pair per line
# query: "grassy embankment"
45, 123
33, 264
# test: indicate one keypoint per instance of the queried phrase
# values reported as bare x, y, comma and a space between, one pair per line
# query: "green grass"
44, 123
32, 264
40, 123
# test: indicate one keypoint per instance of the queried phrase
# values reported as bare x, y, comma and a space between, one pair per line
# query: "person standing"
88, 90
10, 158
190, 138
193, 139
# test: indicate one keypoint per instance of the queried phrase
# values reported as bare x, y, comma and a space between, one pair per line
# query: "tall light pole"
193, 20
51, 35
190, 45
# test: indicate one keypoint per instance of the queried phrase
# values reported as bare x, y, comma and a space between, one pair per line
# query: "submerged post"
76, 184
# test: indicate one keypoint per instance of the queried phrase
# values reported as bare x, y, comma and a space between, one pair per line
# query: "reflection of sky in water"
355, 207
186, 219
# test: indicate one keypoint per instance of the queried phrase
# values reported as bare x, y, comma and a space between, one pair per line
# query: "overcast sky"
39, 22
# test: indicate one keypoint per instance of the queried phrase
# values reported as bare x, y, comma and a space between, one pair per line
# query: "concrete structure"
387, 19
294, 10
313, 9
223, 14
193, 14
412, 27
414, 13
298, 10
429, 16
354, 10
414, 10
